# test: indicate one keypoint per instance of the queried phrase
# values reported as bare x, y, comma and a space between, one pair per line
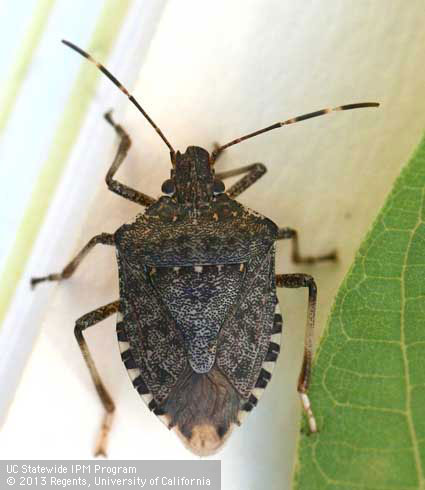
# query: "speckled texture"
245, 337
199, 302
197, 292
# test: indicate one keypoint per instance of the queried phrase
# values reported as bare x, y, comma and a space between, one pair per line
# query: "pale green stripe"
10, 89
106, 31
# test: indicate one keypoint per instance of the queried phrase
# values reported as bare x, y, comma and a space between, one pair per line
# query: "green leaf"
368, 385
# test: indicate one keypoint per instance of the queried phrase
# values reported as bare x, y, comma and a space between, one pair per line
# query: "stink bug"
198, 321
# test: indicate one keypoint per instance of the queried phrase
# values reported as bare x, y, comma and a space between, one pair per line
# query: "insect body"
198, 318
199, 314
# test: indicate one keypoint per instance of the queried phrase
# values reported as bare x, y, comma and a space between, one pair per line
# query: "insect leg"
253, 171
299, 281
86, 321
115, 186
104, 238
285, 233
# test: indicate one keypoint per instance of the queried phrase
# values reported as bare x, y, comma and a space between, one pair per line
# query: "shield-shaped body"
199, 329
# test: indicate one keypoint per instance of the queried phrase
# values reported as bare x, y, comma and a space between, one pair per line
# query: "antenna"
123, 89
293, 120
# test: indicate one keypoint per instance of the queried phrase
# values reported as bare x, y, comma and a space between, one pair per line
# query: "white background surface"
213, 72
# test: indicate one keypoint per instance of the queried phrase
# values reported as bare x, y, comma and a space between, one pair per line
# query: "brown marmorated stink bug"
198, 319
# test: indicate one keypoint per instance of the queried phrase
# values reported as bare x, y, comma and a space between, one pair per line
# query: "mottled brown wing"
156, 346
245, 337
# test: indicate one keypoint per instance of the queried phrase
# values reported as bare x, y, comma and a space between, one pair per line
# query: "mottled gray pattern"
244, 339
199, 302
156, 344
176, 319
166, 236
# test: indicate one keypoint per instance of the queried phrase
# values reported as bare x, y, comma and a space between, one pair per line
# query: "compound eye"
218, 186
168, 187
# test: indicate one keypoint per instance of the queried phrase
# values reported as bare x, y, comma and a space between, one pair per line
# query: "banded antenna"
293, 120
123, 89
